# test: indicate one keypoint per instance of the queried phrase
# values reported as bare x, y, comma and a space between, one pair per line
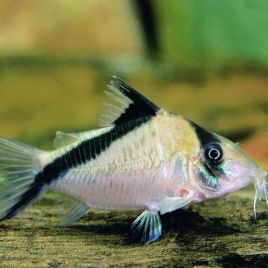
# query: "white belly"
121, 190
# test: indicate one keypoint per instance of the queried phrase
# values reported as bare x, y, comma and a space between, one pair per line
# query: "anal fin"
73, 210
149, 225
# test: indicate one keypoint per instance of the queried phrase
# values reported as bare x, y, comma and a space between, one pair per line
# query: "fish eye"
213, 153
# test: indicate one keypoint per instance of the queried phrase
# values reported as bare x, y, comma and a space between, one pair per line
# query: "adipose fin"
66, 138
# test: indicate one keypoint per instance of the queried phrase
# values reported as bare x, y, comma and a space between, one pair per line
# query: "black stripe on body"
27, 198
87, 150
138, 112
203, 135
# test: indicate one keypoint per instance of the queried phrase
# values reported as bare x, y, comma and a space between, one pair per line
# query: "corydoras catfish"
141, 158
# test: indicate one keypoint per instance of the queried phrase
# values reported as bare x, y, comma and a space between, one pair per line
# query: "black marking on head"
140, 106
208, 178
203, 135
87, 150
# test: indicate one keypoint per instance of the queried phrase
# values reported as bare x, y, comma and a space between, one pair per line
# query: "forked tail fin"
18, 166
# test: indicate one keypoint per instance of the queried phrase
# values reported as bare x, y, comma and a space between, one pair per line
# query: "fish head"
222, 167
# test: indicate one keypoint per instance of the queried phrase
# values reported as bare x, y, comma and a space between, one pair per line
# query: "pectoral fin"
170, 204
149, 225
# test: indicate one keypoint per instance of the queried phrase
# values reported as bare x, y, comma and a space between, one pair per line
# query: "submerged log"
216, 233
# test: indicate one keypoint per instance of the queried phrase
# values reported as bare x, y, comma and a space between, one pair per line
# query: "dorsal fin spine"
120, 84
131, 105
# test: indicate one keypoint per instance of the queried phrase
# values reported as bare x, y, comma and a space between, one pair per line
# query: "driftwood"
219, 233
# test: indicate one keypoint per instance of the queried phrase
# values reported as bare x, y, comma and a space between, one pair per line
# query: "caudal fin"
18, 166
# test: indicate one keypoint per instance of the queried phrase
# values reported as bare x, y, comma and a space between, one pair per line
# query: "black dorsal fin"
130, 105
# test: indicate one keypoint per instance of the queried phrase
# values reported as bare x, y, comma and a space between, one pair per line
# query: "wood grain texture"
214, 233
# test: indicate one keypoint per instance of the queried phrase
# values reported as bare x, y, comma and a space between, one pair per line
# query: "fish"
140, 158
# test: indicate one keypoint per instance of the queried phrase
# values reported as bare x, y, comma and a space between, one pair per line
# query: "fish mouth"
261, 190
